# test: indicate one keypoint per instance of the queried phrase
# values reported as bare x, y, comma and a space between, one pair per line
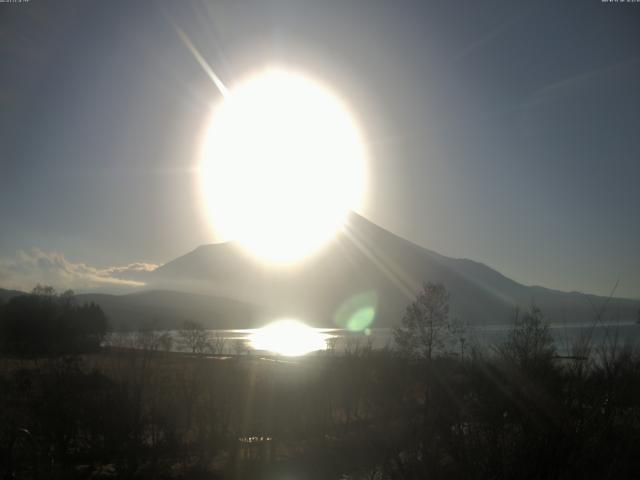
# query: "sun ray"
201, 60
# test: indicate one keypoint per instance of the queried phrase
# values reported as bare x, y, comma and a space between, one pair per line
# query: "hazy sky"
507, 132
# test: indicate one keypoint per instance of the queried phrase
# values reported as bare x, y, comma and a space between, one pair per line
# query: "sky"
502, 131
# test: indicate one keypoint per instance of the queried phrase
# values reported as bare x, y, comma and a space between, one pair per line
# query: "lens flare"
358, 312
282, 165
289, 338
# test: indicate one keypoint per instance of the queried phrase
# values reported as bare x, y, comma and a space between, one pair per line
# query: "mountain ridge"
365, 257
364, 266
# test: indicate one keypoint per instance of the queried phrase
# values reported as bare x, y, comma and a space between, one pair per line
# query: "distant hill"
6, 295
366, 264
165, 309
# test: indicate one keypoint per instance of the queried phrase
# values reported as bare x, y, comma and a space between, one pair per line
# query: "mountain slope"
161, 309
366, 265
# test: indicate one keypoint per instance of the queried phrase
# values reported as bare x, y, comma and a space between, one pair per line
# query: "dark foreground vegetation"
421, 410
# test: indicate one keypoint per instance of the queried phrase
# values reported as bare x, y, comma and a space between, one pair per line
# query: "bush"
530, 344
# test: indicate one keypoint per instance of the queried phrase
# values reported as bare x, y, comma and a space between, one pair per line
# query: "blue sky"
502, 131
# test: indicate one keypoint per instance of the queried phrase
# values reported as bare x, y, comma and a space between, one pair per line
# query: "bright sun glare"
288, 337
282, 165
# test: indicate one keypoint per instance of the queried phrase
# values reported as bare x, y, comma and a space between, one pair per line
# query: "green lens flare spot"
358, 312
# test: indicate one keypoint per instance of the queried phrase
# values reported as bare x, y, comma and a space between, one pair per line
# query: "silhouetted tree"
218, 343
194, 337
426, 324
67, 298
43, 291
529, 343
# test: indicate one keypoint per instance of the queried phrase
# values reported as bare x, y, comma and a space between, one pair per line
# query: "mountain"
367, 268
365, 273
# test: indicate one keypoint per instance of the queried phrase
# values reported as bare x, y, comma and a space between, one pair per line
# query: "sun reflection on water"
288, 337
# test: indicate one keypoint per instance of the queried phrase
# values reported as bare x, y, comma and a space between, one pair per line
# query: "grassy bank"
143, 414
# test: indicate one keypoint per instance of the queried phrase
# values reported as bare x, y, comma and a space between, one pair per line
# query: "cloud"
35, 266
133, 271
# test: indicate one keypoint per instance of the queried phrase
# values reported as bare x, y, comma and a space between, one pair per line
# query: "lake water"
235, 341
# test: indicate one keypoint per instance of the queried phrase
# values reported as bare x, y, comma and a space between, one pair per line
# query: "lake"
234, 341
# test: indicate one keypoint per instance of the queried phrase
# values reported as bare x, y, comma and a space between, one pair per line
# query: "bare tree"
529, 342
147, 339
44, 291
218, 343
193, 337
426, 324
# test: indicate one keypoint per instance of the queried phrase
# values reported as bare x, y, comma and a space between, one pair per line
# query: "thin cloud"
34, 266
563, 84
133, 271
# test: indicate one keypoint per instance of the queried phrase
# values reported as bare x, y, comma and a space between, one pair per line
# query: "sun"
283, 162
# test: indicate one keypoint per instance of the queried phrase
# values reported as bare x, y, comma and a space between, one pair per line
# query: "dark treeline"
434, 407
45, 323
